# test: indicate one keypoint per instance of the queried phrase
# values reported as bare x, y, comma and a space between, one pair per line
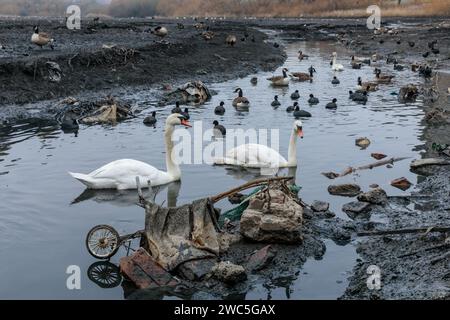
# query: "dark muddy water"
44, 214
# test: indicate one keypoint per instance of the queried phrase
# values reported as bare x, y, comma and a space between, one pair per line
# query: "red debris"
401, 183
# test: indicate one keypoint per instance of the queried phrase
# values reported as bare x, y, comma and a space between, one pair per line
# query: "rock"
229, 273
378, 156
401, 183
363, 143
356, 208
375, 196
196, 270
374, 185
275, 220
320, 206
261, 258
346, 190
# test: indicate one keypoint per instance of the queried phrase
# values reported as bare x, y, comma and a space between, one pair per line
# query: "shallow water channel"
44, 214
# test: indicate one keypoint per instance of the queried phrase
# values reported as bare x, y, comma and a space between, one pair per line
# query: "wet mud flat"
106, 56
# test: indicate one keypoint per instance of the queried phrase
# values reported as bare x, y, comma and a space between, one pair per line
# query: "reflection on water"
45, 214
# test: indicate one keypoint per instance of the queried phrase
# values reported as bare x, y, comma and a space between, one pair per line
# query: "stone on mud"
196, 270
355, 209
374, 196
320, 206
229, 273
261, 258
273, 216
346, 190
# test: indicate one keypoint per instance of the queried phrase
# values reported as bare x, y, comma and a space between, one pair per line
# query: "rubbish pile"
187, 243
193, 92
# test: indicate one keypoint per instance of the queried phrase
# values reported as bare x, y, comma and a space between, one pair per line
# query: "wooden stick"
403, 231
248, 185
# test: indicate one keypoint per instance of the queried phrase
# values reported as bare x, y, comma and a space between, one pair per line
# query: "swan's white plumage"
336, 66
253, 155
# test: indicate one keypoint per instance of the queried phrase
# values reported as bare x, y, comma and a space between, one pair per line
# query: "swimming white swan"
336, 66
254, 155
121, 174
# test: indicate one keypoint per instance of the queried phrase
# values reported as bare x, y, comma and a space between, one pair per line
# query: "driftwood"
248, 185
403, 231
429, 162
332, 175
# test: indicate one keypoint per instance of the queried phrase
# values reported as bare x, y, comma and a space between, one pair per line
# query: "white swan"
336, 66
254, 155
121, 174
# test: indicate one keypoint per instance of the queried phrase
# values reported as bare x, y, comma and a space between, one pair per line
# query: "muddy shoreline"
141, 61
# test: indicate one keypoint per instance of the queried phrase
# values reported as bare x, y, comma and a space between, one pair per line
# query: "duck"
301, 76
332, 104
231, 40
295, 95
382, 78
160, 31
240, 101
426, 54
366, 86
411, 44
359, 96
300, 113
390, 60
69, 125
185, 113
335, 80
254, 80
275, 102
356, 65
42, 39
177, 108
280, 81
220, 109
312, 99
151, 120
292, 108
398, 67
252, 155
336, 66
219, 130
121, 174
302, 56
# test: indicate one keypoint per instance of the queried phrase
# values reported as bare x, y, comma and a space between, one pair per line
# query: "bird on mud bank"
231, 40
42, 39
160, 31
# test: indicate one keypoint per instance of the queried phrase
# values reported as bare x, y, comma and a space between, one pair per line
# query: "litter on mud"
186, 242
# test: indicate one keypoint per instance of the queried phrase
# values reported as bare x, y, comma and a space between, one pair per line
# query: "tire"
102, 242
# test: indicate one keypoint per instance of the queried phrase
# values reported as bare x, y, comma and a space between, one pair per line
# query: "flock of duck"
122, 174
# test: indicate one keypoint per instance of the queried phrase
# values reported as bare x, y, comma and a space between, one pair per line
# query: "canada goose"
280, 80
219, 130
159, 31
356, 65
435, 50
41, 39
220, 109
302, 56
254, 80
275, 102
336, 66
295, 95
150, 120
231, 40
360, 60
382, 78
208, 35
301, 76
360, 96
177, 108
240, 101
398, 67
332, 105
185, 113
366, 86
292, 108
335, 80
300, 113
312, 99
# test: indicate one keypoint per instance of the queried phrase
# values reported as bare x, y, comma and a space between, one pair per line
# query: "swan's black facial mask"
184, 122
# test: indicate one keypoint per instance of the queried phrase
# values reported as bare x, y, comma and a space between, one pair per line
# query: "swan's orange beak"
185, 123
300, 132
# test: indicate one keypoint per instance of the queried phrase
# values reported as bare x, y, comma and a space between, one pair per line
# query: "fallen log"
429, 162
403, 231
332, 175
